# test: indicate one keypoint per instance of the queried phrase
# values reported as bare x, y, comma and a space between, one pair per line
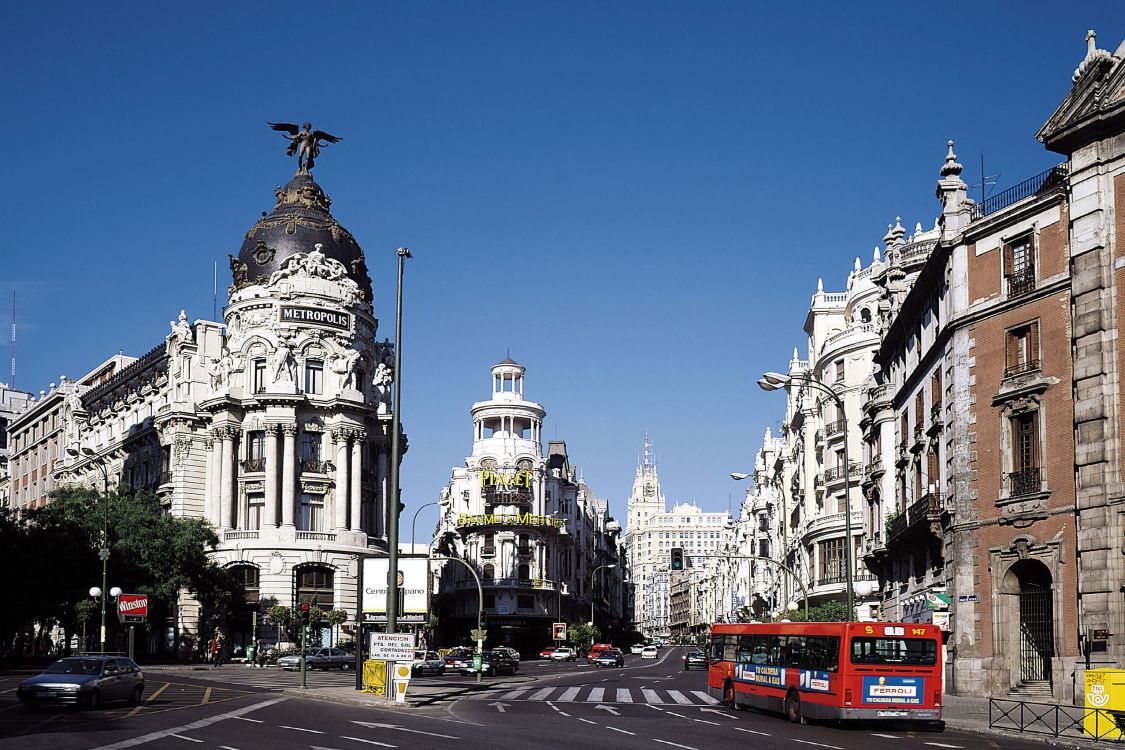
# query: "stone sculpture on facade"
344, 365
282, 365
382, 382
181, 330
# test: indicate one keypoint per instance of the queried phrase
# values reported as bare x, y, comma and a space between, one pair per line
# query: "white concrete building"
539, 539
274, 427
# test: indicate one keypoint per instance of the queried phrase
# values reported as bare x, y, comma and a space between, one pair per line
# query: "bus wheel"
793, 707
728, 696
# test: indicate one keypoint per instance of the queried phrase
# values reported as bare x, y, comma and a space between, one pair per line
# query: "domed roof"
300, 221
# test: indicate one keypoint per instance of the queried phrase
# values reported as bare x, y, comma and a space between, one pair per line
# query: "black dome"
300, 221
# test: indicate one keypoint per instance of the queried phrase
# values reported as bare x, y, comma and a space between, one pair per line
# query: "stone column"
214, 479
340, 501
226, 477
358, 437
288, 474
270, 511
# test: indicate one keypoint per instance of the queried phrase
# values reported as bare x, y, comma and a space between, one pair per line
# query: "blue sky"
634, 198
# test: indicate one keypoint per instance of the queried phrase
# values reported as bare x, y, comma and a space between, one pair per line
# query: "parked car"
493, 663
320, 658
84, 681
596, 649
648, 652
695, 660
458, 658
427, 662
609, 657
637, 648
511, 652
546, 653
563, 653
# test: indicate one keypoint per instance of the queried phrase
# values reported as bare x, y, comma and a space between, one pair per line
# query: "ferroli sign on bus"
132, 607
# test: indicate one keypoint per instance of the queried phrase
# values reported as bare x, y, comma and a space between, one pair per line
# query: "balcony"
1021, 368
1053, 178
253, 465
234, 536
874, 469
936, 419
165, 477
316, 466
837, 473
918, 431
840, 578
1020, 283
832, 522
1024, 482
488, 551
819, 437
920, 515
316, 536
902, 455
819, 480
834, 428
523, 551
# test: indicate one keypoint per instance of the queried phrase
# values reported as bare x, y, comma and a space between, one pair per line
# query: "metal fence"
1056, 721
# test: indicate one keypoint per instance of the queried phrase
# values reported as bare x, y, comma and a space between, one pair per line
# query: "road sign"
559, 631
478, 634
391, 646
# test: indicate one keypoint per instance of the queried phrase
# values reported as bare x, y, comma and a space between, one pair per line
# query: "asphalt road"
647, 704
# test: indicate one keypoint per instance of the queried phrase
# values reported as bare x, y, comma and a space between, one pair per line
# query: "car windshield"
75, 666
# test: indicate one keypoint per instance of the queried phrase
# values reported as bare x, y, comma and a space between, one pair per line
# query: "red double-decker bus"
829, 670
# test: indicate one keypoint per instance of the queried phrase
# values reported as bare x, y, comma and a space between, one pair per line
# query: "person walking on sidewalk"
217, 648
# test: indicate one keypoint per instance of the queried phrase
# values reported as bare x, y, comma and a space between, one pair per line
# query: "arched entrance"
1030, 580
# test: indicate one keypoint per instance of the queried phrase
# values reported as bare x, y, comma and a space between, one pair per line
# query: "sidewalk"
973, 715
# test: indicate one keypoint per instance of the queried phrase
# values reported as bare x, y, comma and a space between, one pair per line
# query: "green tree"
281, 617
336, 618
830, 611
583, 636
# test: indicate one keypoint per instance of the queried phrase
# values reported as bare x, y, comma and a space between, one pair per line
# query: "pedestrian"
217, 648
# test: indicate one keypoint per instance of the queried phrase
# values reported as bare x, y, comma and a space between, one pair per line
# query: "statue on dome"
304, 142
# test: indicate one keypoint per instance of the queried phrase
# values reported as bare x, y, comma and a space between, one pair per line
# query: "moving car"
695, 660
563, 653
648, 652
493, 663
458, 658
427, 662
596, 649
84, 681
546, 653
511, 652
320, 658
637, 648
609, 657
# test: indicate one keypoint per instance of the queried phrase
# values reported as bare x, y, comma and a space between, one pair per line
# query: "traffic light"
483, 623
304, 610
677, 558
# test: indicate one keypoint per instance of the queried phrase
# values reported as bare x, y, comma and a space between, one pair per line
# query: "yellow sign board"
375, 676
508, 519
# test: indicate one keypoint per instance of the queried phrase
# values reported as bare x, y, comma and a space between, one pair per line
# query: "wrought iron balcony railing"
1055, 177
1019, 368
1025, 481
254, 464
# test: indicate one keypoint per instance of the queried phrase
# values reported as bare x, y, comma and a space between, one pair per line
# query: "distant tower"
646, 499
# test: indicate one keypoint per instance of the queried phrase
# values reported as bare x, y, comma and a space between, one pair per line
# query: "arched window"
865, 315
523, 572
315, 583
247, 578
489, 572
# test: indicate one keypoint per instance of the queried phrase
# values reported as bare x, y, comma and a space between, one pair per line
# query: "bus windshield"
922, 651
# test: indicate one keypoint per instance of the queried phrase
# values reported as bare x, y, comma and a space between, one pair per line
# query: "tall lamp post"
103, 553
772, 381
600, 567
738, 476
415, 521
396, 427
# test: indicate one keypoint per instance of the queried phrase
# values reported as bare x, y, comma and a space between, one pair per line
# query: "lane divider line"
368, 742
674, 744
206, 697
631, 734
753, 731
300, 729
147, 701
182, 737
161, 734
818, 744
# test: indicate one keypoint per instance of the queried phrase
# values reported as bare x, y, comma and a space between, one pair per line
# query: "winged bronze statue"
304, 142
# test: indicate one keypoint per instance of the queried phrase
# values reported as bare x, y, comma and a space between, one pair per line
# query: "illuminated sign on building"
507, 519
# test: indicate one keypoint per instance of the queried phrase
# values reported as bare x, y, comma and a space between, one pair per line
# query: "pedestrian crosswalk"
586, 694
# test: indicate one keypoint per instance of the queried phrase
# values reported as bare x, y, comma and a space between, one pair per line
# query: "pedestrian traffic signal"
677, 558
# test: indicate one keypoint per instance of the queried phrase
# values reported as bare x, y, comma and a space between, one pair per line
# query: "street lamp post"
600, 567
415, 521
772, 381
783, 521
103, 553
396, 427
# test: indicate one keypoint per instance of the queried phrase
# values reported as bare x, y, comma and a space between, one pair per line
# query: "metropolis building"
273, 425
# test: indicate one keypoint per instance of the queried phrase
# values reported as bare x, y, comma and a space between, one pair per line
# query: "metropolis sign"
315, 316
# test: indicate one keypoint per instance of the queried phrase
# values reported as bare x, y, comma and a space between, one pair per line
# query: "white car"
637, 648
563, 653
648, 652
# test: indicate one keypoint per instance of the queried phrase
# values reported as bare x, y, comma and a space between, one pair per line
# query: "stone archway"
1029, 582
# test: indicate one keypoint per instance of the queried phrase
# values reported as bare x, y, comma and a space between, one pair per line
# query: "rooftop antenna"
215, 293
986, 180
13, 383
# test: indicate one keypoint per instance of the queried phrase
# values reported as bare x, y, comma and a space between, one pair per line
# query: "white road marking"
704, 721
595, 695
300, 729
514, 693
144, 739
624, 696
564, 713
227, 747
587, 720
818, 744
654, 708
704, 697
752, 731
942, 744
246, 718
674, 744
181, 737
396, 727
569, 694
679, 697
631, 734
368, 742
651, 696
541, 695
886, 736
608, 709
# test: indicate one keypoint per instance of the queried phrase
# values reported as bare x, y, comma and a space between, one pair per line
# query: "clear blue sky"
634, 198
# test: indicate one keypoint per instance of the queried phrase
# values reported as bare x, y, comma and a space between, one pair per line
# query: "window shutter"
1034, 439
1011, 356
1009, 259
1033, 342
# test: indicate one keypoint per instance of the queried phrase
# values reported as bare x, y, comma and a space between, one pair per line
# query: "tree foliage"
830, 611
582, 635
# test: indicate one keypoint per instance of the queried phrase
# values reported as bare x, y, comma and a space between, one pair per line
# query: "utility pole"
393, 502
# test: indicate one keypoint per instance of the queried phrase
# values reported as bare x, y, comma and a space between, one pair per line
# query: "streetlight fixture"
600, 567
396, 456
772, 381
103, 553
415, 521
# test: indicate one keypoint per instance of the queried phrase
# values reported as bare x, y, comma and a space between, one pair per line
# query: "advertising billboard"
412, 582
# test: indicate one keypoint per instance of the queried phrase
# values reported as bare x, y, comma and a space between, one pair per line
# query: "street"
646, 704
